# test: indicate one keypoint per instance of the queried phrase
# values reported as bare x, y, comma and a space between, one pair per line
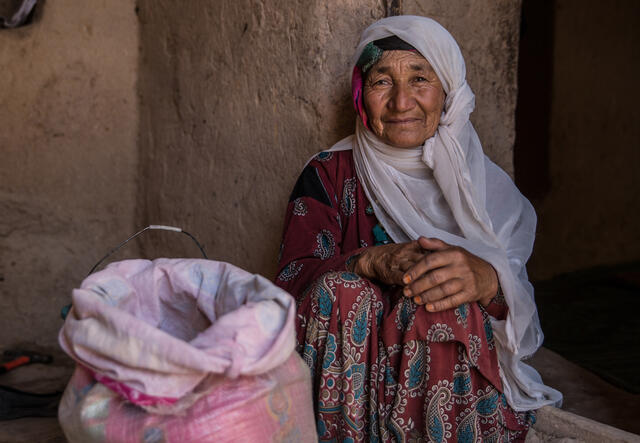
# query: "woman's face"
403, 98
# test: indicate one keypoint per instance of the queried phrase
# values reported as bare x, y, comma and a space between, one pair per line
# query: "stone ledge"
554, 425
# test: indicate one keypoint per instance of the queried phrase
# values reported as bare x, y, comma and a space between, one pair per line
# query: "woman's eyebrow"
419, 67
381, 69
414, 67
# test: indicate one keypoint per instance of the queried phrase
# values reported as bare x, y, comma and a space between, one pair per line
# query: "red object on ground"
23, 360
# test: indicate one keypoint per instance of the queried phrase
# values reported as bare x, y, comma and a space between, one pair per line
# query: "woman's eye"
420, 79
381, 82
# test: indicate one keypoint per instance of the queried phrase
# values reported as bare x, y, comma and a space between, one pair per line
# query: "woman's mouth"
401, 121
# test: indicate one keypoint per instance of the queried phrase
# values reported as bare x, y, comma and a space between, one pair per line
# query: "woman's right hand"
388, 263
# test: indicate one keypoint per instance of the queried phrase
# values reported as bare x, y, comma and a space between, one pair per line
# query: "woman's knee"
343, 291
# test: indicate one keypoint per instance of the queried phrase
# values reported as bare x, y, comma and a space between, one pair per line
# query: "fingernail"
407, 292
429, 307
406, 279
416, 299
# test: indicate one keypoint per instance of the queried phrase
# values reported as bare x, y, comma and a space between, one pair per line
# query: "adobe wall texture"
199, 114
236, 95
68, 113
235, 98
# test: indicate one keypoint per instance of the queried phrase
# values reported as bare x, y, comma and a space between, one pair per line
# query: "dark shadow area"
18, 13
576, 157
533, 109
589, 318
577, 146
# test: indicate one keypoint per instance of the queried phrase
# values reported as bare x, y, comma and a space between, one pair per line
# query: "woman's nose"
402, 98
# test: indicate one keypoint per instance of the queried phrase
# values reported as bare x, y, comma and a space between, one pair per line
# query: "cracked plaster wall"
235, 98
194, 114
68, 110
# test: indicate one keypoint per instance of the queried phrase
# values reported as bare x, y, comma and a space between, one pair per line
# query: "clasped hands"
433, 273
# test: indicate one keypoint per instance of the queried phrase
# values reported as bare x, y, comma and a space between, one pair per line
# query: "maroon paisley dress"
383, 368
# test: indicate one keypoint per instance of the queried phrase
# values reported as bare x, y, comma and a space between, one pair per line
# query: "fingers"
430, 262
446, 278
388, 263
405, 257
432, 244
393, 277
446, 289
405, 266
448, 303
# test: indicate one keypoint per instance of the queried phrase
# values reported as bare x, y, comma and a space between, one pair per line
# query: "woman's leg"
338, 336
443, 377
385, 369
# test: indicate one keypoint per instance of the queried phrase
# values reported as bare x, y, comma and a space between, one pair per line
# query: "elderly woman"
405, 248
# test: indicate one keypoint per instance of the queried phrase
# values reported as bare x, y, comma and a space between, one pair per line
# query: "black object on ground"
590, 317
17, 404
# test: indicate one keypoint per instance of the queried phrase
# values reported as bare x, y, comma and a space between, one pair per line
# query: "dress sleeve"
313, 232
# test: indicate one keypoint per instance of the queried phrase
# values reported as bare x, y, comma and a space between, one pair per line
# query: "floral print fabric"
384, 368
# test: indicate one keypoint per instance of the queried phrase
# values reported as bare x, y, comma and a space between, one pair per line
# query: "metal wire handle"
152, 227
65, 309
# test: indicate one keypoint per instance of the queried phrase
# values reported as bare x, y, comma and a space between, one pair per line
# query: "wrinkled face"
403, 98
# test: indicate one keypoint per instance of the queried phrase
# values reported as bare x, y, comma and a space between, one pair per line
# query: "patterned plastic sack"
183, 350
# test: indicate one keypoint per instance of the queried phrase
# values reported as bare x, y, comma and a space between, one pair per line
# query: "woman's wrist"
352, 261
360, 263
494, 291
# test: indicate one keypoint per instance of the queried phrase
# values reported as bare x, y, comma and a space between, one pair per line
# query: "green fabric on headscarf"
369, 57
373, 51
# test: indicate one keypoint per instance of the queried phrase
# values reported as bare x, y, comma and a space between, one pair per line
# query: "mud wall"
200, 114
236, 96
68, 131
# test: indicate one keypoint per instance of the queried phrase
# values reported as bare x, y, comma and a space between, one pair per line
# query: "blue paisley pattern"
325, 301
324, 156
438, 429
455, 409
330, 354
384, 369
290, 271
418, 372
349, 405
466, 432
348, 204
325, 245
488, 332
309, 357
406, 314
461, 383
461, 314
488, 404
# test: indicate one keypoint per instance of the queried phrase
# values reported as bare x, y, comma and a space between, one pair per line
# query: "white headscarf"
448, 189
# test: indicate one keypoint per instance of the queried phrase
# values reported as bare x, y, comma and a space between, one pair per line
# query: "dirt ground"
585, 394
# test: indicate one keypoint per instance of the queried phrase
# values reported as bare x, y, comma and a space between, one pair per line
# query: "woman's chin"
404, 141
405, 135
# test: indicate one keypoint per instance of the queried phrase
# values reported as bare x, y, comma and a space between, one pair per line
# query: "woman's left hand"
449, 276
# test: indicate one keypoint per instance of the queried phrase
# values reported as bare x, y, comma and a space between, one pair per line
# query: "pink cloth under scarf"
357, 86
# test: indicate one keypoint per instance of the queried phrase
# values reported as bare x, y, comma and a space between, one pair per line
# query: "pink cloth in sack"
152, 331
270, 407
